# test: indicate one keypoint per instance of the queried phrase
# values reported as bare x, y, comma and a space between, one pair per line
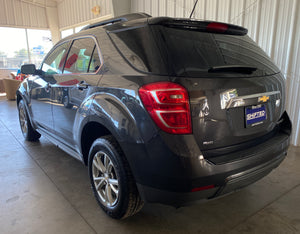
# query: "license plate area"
255, 115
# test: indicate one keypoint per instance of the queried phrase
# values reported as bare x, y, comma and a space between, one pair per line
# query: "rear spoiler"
201, 26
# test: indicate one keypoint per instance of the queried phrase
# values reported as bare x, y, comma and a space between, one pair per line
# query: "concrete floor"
44, 190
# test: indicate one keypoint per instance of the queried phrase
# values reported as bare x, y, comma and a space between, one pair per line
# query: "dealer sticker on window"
255, 115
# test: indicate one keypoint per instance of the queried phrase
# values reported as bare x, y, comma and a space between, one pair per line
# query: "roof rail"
122, 18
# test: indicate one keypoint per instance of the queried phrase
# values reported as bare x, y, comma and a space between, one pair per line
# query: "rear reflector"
168, 105
203, 188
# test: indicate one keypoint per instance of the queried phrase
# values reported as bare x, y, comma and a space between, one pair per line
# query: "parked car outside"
160, 109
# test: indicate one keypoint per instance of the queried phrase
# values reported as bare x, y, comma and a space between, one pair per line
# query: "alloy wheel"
105, 179
23, 119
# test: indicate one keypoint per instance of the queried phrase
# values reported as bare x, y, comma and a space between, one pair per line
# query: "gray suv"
159, 109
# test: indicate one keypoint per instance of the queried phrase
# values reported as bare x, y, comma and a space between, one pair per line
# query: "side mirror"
28, 69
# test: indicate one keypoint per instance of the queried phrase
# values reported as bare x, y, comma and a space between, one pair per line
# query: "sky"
14, 39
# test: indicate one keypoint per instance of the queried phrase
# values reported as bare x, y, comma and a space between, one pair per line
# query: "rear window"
170, 51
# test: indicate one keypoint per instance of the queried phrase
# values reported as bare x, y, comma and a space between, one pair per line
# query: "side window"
83, 57
95, 61
55, 61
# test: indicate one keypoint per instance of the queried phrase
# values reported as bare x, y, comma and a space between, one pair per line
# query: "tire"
111, 179
27, 130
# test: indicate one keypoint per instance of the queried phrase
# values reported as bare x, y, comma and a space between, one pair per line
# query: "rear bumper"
240, 180
163, 176
229, 184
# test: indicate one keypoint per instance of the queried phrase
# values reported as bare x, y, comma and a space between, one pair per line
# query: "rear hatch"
236, 92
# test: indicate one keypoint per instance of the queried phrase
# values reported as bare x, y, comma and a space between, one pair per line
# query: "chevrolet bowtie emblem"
263, 98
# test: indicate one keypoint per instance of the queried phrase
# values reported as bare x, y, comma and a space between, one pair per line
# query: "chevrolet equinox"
160, 109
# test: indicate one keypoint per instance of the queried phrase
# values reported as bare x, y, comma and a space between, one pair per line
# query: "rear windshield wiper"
244, 69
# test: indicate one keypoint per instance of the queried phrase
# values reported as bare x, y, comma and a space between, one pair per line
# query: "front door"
41, 103
41, 91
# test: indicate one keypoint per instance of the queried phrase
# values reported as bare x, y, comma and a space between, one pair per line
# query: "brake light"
217, 27
168, 105
200, 26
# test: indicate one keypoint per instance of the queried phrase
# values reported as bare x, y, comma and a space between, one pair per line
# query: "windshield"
170, 51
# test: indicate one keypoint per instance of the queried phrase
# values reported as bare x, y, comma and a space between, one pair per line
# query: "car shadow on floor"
219, 215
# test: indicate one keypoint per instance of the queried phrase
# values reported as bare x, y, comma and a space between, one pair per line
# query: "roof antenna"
193, 8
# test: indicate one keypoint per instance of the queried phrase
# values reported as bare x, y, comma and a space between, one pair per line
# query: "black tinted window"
140, 50
171, 51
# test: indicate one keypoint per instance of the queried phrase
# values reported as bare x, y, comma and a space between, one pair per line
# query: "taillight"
168, 105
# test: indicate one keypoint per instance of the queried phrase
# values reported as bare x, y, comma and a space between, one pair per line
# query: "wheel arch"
91, 131
107, 116
21, 95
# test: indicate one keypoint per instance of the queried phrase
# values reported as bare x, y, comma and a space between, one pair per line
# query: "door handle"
82, 85
48, 87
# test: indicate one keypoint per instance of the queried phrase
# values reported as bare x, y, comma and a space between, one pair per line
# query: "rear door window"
83, 57
95, 62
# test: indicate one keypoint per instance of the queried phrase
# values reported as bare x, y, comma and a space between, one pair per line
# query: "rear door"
41, 92
231, 111
74, 85
236, 92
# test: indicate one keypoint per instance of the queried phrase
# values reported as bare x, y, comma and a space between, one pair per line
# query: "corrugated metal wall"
72, 12
273, 24
14, 13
